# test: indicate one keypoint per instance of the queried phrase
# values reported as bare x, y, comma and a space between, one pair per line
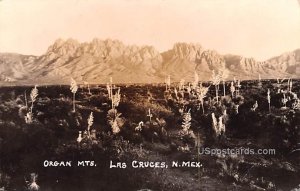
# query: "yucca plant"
186, 124
202, 91
115, 127
224, 88
284, 101
259, 81
139, 127
28, 118
33, 95
232, 89
279, 84
296, 104
32, 185
218, 125
25, 97
238, 86
79, 138
216, 81
290, 85
223, 76
115, 99
176, 93
269, 100
255, 106
150, 115
73, 88
236, 108
115, 121
90, 123
221, 125
108, 87
215, 124
88, 86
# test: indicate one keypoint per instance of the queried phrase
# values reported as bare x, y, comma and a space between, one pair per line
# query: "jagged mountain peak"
186, 50
98, 60
59, 43
96, 47
184, 45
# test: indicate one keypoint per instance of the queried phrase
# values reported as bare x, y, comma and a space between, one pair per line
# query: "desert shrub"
115, 121
136, 110
5, 180
227, 101
238, 100
229, 167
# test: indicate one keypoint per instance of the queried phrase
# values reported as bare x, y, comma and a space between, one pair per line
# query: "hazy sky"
253, 28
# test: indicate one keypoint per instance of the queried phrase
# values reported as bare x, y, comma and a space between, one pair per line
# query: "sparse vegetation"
73, 89
173, 125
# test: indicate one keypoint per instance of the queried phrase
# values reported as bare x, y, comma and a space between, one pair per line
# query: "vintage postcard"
149, 95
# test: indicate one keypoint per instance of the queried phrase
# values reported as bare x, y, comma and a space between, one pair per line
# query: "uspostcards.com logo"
236, 151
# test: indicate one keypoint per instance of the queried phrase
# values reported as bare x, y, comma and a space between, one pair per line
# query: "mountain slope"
15, 67
288, 62
98, 60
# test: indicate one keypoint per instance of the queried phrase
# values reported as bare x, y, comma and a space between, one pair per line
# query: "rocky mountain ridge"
98, 60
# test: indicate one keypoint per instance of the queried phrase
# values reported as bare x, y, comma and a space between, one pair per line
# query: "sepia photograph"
149, 95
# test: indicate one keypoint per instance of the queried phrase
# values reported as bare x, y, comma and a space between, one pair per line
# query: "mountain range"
98, 60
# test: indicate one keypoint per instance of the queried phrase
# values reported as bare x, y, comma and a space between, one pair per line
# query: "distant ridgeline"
98, 60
